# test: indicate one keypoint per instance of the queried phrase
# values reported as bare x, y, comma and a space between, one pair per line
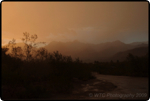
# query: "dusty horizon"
88, 22
41, 45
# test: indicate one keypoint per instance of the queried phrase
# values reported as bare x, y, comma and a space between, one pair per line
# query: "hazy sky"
92, 22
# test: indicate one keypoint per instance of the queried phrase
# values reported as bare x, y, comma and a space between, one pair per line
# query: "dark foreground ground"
104, 87
109, 87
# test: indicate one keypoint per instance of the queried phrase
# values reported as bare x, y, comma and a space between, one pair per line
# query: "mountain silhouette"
89, 52
138, 43
139, 51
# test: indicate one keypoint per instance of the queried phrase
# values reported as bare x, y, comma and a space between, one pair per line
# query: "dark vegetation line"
31, 73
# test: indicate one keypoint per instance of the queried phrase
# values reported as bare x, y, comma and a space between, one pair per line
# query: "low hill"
140, 51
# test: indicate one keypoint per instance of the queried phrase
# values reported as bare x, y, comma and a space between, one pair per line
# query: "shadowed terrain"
35, 73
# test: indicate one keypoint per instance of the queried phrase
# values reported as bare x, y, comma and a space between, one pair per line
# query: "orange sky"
92, 22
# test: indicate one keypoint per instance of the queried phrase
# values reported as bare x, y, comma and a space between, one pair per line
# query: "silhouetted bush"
43, 74
133, 66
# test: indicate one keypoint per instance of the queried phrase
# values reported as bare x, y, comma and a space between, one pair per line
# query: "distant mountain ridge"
90, 52
138, 43
139, 51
